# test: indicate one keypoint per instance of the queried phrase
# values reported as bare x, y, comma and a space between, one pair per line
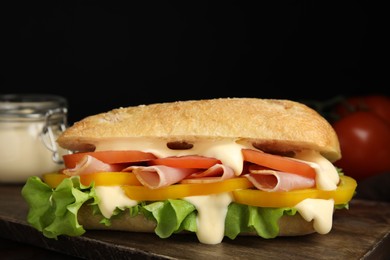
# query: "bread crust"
285, 125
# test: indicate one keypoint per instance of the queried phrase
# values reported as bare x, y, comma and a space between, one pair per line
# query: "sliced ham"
89, 164
270, 180
158, 176
217, 172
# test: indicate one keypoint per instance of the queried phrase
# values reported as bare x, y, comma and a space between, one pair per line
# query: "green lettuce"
54, 212
244, 218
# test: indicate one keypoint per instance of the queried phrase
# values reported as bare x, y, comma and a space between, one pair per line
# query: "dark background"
105, 54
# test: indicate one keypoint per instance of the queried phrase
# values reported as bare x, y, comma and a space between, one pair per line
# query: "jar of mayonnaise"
29, 127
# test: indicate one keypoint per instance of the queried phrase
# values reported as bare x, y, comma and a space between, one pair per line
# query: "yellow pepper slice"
54, 179
343, 194
142, 193
240, 188
100, 179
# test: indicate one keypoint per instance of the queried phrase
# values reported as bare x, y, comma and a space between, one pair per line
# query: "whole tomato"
377, 104
364, 138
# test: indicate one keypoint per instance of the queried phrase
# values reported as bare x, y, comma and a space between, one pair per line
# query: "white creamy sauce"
227, 150
212, 210
327, 177
318, 210
22, 152
112, 197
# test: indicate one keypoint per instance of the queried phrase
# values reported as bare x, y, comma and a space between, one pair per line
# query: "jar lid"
29, 106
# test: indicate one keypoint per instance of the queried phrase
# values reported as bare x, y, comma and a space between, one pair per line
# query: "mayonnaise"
327, 176
228, 151
112, 197
29, 125
318, 210
212, 209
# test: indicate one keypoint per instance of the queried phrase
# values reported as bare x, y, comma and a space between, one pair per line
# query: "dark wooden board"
362, 232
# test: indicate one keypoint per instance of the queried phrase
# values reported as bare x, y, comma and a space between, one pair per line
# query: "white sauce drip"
212, 210
319, 210
112, 197
327, 177
227, 150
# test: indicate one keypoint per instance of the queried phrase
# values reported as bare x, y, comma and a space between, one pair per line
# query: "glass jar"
29, 127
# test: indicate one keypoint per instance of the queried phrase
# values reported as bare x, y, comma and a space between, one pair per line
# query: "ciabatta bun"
269, 124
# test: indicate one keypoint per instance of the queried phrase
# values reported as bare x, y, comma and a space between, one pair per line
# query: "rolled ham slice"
270, 180
217, 172
89, 164
158, 176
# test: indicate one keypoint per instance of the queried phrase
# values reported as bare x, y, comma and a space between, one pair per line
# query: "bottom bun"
295, 226
288, 225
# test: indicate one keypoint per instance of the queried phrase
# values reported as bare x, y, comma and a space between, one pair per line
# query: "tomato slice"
279, 163
190, 161
70, 160
100, 179
343, 194
176, 191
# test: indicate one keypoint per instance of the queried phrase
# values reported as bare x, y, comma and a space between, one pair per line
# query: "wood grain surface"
362, 232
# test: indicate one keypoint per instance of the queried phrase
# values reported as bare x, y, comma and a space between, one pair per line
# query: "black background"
105, 54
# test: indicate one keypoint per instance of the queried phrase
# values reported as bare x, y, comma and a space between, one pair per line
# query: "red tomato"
278, 162
377, 104
365, 144
70, 160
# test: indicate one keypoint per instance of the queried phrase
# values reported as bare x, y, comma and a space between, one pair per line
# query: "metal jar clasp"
55, 124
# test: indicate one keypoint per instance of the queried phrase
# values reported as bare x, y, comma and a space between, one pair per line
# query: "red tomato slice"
279, 163
190, 161
70, 160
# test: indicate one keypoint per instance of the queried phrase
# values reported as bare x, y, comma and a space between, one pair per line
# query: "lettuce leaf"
243, 218
54, 212
171, 216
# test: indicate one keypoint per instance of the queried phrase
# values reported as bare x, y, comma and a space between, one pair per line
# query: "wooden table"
362, 232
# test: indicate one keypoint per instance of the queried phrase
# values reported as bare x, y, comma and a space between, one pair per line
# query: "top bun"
269, 124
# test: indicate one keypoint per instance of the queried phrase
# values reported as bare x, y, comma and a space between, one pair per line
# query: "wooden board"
362, 232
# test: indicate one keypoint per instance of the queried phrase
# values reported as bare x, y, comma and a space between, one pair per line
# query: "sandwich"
212, 168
